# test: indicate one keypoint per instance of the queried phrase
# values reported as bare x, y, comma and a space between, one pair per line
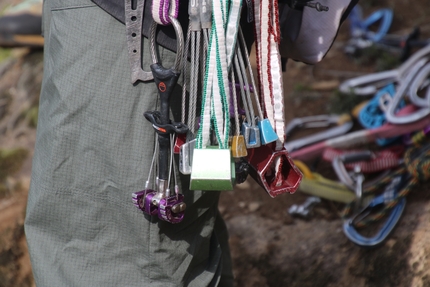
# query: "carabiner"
361, 36
386, 18
343, 125
372, 115
369, 84
362, 136
386, 197
359, 27
345, 177
418, 83
391, 115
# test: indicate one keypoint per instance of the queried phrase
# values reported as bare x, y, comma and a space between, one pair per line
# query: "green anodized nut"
213, 169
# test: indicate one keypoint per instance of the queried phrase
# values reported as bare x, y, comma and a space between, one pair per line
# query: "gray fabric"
94, 149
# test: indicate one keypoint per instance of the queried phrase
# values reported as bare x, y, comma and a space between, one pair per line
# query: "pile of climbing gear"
234, 119
378, 164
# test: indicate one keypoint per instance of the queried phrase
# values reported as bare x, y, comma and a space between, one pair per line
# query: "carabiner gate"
387, 197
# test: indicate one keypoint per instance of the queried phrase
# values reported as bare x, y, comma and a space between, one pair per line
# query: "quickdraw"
343, 123
362, 136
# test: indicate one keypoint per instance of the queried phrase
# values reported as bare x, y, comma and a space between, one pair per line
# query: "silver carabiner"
355, 179
418, 83
401, 91
369, 84
344, 124
179, 46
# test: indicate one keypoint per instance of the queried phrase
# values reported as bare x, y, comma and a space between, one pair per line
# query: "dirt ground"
269, 247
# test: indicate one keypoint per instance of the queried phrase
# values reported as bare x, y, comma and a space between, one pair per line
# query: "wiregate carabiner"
403, 89
386, 197
369, 84
343, 124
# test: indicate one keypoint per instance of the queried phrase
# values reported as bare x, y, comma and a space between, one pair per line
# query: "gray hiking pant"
93, 149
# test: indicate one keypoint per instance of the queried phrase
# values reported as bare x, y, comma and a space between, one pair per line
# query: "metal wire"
236, 113
179, 42
242, 43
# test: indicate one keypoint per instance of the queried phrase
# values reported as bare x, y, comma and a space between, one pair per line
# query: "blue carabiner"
355, 19
372, 116
386, 18
389, 193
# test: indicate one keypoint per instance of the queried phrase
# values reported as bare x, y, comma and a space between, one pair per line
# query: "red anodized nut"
179, 141
273, 170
